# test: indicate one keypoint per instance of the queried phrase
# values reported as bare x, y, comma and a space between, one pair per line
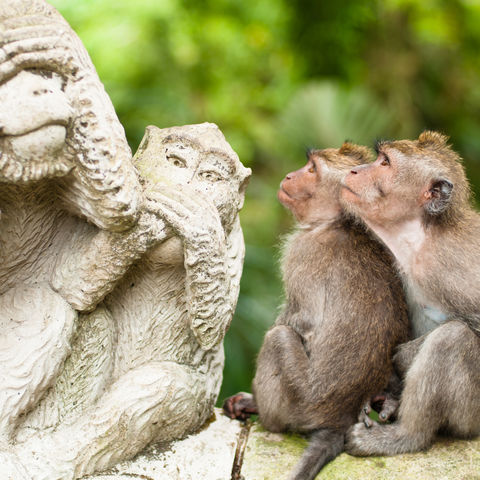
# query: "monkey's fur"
331, 347
416, 198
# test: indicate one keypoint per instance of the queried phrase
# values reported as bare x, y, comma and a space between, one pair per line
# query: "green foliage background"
278, 76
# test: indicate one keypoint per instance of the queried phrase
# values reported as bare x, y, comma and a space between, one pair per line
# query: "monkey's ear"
357, 152
428, 138
437, 197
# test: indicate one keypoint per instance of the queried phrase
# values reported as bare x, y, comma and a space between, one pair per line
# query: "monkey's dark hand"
385, 403
240, 406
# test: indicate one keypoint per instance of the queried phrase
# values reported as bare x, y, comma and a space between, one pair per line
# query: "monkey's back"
346, 302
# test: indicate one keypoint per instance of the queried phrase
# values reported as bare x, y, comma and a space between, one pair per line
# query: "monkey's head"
410, 179
196, 157
312, 193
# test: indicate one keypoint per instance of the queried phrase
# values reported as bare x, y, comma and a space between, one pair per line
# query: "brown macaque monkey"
415, 197
330, 349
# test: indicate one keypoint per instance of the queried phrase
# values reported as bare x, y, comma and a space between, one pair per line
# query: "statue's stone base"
211, 454
207, 455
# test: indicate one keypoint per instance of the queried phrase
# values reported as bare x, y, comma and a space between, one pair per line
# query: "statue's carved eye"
210, 176
176, 161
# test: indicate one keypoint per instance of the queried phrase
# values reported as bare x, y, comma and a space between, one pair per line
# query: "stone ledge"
271, 457
211, 453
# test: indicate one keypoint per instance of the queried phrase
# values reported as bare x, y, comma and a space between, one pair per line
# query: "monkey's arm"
97, 259
207, 275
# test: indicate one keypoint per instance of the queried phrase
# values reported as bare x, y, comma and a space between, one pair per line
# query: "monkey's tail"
323, 447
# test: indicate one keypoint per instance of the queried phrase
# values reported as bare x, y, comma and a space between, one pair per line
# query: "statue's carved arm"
87, 271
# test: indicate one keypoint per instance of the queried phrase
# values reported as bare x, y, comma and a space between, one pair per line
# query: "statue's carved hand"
197, 222
43, 46
190, 214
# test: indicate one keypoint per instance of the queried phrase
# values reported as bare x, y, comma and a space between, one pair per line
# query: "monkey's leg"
36, 327
405, 354
160, 400
442, 390
281, 383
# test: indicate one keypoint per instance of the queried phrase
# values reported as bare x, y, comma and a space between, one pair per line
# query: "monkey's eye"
176, 161
385, 161
312, 168
210, 176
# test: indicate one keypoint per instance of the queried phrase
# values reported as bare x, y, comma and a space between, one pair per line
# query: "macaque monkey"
331, 347
416, 199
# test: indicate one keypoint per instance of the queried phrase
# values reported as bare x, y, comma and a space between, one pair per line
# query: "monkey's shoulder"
343, 258
343, 242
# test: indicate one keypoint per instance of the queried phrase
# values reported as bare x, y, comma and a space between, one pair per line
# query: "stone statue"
119, 278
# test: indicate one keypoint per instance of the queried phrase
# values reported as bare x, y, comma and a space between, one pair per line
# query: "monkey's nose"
288, 176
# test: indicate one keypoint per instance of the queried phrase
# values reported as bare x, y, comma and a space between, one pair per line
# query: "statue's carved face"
199, 157
34, 117
57, 120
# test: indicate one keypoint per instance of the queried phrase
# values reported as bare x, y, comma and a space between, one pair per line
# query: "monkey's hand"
197, 222
240, 406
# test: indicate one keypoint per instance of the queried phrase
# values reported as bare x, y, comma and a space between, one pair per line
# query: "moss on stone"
270, 456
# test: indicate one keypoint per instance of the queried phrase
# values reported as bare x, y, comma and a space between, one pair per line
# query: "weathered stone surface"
119, 276
271, 457
207, 455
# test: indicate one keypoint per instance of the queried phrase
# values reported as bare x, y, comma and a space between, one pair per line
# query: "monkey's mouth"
346, 187
281, 191
283, 197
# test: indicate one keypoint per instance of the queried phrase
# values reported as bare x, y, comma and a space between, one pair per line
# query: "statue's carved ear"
357, 152
146, 138
428, 138
438, 197
245, 178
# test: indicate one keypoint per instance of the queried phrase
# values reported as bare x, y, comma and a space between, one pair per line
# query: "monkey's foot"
385, 404
240, 406
363, 441
364, 415
385, 440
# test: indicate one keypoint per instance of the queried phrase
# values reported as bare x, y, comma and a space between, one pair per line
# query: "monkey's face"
312, 192
373, 190
409, 179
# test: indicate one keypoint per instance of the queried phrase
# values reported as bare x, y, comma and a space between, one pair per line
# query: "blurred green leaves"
325, 114
279, 76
